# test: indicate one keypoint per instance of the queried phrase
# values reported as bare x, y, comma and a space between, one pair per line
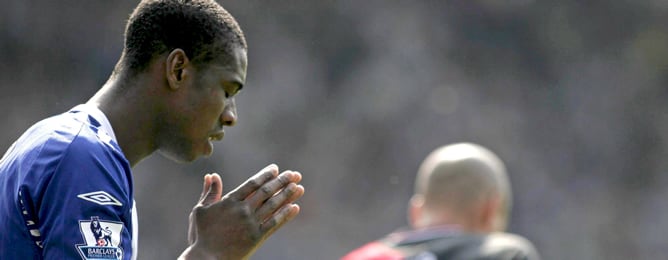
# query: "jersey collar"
96, 113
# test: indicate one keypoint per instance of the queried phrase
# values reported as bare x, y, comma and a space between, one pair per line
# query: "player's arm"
87, 185
234, 226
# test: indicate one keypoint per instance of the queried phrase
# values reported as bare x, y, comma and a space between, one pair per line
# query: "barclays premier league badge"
103, 239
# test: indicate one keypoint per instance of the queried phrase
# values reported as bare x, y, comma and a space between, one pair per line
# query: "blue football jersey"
66, 191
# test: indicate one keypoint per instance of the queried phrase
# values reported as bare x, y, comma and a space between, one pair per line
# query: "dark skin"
177, 108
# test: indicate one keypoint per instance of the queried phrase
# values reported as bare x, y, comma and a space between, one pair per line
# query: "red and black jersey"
441, 243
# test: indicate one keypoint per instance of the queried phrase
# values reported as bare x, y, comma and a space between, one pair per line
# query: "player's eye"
232, 89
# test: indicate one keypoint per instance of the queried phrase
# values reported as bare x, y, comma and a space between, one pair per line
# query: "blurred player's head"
184, 60
464, 185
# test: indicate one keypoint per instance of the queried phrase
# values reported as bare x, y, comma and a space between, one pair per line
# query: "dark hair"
203, 29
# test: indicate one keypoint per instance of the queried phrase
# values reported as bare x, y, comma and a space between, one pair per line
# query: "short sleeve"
85, 204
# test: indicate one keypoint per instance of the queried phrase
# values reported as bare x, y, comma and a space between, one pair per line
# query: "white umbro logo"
100, 197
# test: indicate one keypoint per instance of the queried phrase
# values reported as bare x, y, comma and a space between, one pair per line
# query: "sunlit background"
572, 95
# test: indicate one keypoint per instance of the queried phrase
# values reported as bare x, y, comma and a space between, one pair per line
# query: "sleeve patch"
102, 239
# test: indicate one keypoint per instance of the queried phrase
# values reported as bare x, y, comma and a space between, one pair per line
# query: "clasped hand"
235, 225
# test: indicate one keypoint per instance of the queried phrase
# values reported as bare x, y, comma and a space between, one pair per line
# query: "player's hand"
235, 225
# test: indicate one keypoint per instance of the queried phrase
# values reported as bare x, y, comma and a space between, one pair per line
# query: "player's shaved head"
459, 178
201, 28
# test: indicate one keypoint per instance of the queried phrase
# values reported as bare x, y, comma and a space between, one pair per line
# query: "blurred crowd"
572, 95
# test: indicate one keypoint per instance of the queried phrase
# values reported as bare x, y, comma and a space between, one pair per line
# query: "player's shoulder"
502, 239
50, 139
45, 138
63, 132
87, 141
511, 245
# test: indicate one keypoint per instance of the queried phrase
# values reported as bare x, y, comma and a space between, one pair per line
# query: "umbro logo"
100, 197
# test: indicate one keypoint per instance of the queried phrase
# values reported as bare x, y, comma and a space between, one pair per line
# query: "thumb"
212, 190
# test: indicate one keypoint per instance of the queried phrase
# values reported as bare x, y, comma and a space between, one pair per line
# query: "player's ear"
415, 210
489, 214
177, 68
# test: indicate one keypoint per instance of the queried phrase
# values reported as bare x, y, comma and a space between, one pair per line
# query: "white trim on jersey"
135, 231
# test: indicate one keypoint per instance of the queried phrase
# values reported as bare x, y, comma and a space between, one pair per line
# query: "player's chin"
185, 156
180, 158
199, 149
208, 148
201, 152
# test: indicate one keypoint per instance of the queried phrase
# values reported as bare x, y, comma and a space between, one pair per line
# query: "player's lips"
217, 136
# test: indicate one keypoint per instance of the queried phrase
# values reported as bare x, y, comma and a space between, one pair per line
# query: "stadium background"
572, 95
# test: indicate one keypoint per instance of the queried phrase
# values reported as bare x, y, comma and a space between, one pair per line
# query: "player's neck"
129, 111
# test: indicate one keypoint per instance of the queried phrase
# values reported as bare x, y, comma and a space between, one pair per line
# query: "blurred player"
66, 189
459, 210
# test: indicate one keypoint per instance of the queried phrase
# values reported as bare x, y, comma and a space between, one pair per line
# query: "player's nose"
229, 115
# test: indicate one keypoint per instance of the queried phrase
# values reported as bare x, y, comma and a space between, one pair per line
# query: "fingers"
284, 215
212, 190
206, 185
270, 188
249, 214
289, 194
251, 185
